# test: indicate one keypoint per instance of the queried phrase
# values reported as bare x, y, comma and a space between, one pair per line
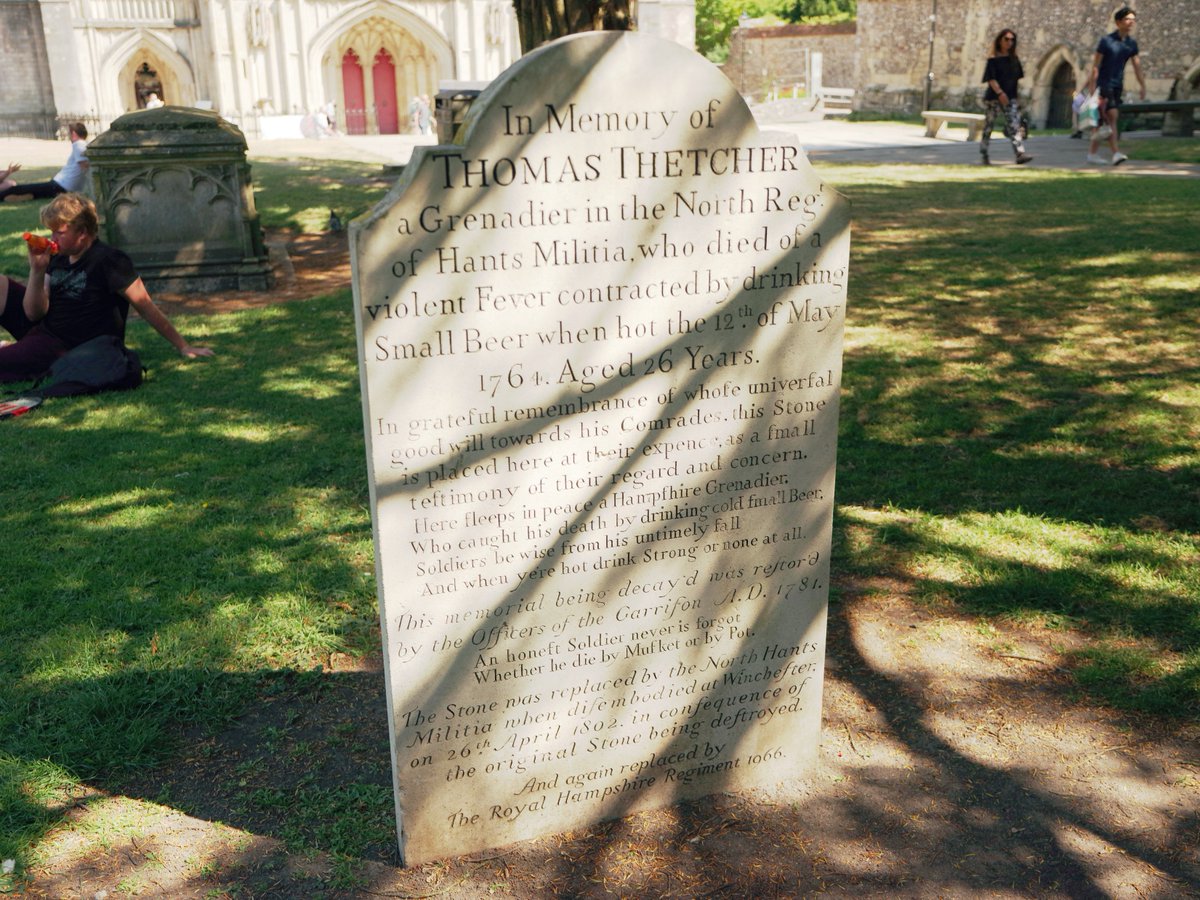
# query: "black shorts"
13, 318
1111, 97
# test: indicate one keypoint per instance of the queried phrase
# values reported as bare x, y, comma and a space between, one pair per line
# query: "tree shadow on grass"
1030, 378
176, 534
937, 822
293, 424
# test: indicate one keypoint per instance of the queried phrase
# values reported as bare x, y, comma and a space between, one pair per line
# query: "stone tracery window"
259, 22
495, 21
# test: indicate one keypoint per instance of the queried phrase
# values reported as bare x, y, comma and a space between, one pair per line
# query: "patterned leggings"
1011, 116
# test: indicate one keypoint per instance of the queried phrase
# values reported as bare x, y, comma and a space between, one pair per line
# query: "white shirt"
73, 176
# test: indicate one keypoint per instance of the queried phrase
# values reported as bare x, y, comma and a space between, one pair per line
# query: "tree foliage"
716, 19
539, 21
819, 10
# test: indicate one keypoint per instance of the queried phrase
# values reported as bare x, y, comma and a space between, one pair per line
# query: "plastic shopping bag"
1087, 107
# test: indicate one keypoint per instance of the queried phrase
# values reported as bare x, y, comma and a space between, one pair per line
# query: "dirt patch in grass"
305, 265
957, 759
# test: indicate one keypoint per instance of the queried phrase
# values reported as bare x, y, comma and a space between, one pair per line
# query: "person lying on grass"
81, 292
71, 177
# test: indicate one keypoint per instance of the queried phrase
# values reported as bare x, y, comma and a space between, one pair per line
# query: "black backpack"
102, 364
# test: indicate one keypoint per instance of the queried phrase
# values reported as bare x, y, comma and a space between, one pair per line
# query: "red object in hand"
38, 244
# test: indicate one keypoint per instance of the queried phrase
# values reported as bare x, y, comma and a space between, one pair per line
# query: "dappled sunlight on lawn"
1019, 459
109, 511
1117, 583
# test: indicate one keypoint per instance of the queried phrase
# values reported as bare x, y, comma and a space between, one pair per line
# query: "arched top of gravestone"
595, 102
171, 130
634, 83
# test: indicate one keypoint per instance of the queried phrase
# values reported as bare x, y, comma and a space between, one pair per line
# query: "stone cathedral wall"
28, 103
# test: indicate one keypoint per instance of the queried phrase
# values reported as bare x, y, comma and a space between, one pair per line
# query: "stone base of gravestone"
600, 350
173, 190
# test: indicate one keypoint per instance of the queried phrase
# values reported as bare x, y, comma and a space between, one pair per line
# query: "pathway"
828, 140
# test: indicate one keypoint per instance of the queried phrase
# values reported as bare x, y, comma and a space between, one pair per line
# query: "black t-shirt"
1114, 52
1006, 71
86, 297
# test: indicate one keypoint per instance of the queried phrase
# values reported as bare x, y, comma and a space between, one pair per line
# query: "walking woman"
1001, 75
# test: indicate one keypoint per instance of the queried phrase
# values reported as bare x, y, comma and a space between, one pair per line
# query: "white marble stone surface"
600, 345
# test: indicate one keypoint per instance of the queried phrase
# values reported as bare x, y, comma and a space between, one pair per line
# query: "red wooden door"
383, 77
354, 98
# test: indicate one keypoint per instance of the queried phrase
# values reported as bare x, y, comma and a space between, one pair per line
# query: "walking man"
1108, 74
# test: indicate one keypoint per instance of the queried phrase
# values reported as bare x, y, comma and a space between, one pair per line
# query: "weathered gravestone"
600, 345
173, 190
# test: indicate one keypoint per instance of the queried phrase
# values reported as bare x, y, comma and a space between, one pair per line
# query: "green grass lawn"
295, 195
1021, 410
1019, 436
1168, 149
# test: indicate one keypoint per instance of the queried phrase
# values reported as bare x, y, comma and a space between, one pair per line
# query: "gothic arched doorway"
1062, 90
402, 66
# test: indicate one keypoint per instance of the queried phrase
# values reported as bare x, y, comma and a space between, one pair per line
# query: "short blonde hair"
71, 209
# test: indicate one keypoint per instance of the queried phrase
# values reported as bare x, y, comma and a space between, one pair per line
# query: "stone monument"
600, 350
173, 190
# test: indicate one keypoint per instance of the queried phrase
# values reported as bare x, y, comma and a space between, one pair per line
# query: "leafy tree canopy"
813, 11
716, 19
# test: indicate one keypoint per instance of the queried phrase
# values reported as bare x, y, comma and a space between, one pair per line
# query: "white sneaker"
1119, 158
1096, 159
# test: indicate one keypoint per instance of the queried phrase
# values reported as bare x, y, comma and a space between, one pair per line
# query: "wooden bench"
1184, 108
936, 118
836, 101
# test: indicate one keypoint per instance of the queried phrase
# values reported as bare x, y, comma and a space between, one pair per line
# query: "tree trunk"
544, 20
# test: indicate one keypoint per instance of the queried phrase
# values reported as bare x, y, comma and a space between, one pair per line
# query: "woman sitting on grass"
79, 293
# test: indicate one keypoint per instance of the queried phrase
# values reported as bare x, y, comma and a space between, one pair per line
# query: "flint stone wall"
774, 59
893, 47
889, 56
